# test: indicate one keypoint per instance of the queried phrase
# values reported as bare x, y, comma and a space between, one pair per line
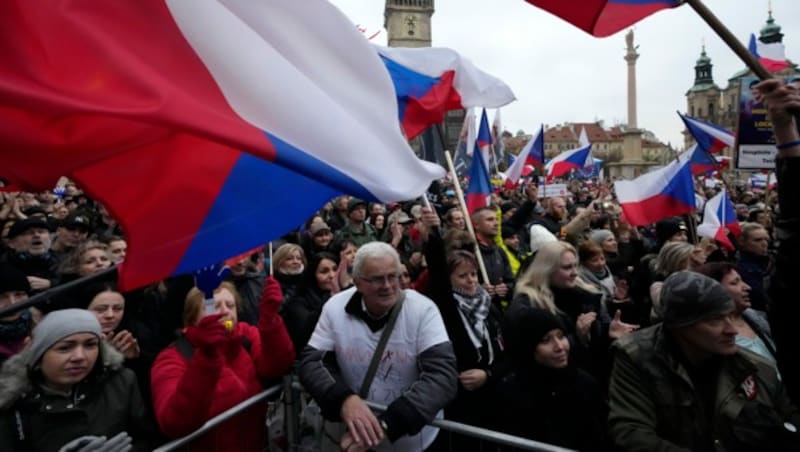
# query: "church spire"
703, 69
770, 32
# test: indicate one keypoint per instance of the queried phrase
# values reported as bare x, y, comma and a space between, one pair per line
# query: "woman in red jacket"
218, 363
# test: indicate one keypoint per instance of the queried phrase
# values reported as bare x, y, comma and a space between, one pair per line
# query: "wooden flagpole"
468, 220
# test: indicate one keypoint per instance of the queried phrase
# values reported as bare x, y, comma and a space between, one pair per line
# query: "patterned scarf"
474, 309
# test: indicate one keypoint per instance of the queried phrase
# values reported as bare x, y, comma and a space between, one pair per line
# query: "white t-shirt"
419, 326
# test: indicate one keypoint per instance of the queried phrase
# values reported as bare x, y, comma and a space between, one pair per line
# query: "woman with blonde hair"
552, 283
88, 258
673, 257
288, 264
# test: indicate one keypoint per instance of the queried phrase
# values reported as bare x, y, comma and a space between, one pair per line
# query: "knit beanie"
539, 236
688, 297
599, 236
56, 326
523, 328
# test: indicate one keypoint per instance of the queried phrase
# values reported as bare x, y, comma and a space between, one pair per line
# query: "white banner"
551, 190
756, 156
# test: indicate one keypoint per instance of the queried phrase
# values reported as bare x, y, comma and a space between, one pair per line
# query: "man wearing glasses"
416, 376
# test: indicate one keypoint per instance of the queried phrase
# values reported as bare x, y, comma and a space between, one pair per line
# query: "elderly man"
686, 386
416, 376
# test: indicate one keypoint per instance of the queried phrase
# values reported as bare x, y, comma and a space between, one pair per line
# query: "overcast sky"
561, 74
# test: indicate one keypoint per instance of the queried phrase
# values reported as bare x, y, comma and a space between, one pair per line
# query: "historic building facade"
707, 101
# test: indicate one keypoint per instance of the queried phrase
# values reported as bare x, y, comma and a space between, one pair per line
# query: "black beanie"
11, 278
523, 329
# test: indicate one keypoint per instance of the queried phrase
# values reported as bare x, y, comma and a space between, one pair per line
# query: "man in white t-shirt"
416, 376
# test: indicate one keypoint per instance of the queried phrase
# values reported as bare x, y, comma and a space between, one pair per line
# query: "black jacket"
563, 407
784, 310
471, 407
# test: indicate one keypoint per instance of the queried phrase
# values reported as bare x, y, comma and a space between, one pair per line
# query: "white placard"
756, 156
551, 190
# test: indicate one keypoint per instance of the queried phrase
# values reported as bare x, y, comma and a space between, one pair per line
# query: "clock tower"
408, 22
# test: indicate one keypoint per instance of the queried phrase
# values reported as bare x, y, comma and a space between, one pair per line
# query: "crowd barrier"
292, 391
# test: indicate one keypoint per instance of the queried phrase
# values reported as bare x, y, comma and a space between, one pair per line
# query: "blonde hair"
283, 252
747, 228
193, 305
674, 256
72, 262
535, 281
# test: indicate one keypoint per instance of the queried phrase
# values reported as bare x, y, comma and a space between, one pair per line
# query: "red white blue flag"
203, 145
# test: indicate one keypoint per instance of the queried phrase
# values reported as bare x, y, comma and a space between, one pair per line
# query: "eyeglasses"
381, 279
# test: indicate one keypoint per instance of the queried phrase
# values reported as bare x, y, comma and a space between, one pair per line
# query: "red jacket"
187, 393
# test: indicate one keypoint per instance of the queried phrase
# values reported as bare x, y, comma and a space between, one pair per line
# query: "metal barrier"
292, 391
220, 418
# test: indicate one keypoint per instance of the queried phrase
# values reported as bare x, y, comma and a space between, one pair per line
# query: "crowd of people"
550, 319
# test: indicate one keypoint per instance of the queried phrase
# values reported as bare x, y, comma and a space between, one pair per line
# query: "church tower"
408, 22
703, 98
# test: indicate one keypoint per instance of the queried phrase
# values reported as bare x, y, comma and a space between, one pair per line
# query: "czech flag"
663, 193
700, 161
719, 217
603, 17
431, 81
710, 137
531, 154
483, 141
772, 56
204, 145
567, 161
480, 186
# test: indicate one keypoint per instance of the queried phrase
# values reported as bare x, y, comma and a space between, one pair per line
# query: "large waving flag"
603, 17
480, 186
432, 80
531, 154
203, 146
719, 217
663, 193
710, 137
566, 161
772, 56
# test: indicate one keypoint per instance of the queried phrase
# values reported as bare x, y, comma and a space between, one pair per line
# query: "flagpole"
722, 31
463, 206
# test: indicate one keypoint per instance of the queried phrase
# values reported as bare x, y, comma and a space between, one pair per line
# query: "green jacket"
366, 235
654, 406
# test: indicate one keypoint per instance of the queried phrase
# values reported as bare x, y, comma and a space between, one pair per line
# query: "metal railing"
292, 391
220, 418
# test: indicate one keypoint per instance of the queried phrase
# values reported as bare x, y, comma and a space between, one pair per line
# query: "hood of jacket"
15, 377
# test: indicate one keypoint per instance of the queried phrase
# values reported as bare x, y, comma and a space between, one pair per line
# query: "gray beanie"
688, 297
598, 236
56, 326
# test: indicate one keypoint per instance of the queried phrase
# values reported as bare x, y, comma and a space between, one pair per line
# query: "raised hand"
207, 279
208, 335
